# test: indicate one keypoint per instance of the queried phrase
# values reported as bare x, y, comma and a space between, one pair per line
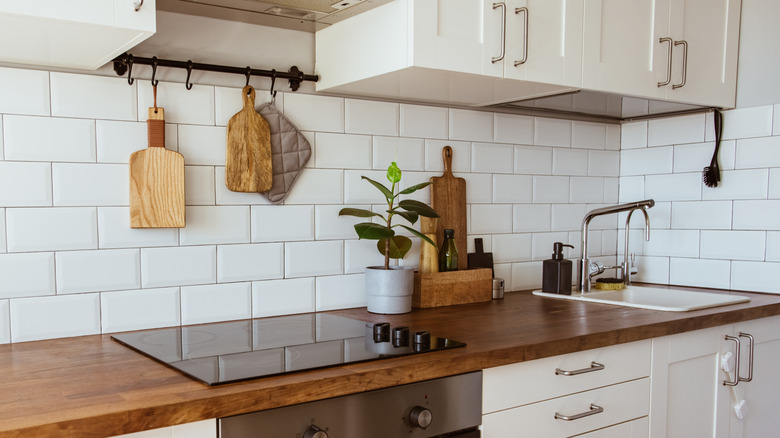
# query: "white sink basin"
655, 298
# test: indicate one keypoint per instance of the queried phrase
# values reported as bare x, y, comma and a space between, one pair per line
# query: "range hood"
303, 15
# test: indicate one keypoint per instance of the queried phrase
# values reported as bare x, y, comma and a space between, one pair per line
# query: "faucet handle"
596, 268
633, 269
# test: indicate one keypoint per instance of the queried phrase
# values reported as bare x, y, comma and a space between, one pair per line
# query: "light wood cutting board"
156, 180
448, 198
248, 152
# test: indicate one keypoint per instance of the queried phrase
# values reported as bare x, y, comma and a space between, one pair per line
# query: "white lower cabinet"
571, 394
198, 429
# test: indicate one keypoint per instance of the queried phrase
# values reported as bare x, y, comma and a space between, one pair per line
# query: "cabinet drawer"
639, 428
528, 382
620, 403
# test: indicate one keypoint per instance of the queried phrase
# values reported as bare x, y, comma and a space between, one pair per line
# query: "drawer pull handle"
594, 409
594, 366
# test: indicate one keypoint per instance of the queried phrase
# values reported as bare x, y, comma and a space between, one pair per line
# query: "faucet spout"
626, 266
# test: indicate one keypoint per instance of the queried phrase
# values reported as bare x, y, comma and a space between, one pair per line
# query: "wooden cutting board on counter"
248, 152
448, 198
156, 180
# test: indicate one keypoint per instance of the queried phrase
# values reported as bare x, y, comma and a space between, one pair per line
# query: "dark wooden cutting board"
448, 198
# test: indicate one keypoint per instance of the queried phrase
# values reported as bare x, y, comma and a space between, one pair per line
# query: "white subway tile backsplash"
674, 187
588, 135
533, 160
491, 158
570, 162
92, 97
192, 107
423, 121
306, 259
755, 276
733, 245
542, 245
98, 271
3, 247
27, 275
490, 219
604, 163
773, 246
49, 139
551, 189
552, 132
39, 318
470, 125
315, 113
216, 302
479, 187
702, 215
611, 190
531, 218
646, 161
695, 156
673, 243
176, 266
24, 92
613, 138
114, 231
25, 184
631, 188
652, 270
511, 189
371, 117
199, 185
49, 229
328, 225
461, 155
282, 223
318, 186
5, 322
514, 129
508, 248
758, 153
774, 183
342, 151
747, 122
739, 184
633, 135
226, 197
202, 145
586, 190
699, 273
359, 191
361, 253
216, 224
408, 153
526, 276
676, 130
117, 140
283, 297
756, 215
78, 184
250, 262
139, 309
567, 217
340, 291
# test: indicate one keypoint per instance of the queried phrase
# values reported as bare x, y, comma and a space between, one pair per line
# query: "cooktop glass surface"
241, 350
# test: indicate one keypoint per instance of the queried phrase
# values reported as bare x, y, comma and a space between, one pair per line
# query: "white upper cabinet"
84, 34
678, 50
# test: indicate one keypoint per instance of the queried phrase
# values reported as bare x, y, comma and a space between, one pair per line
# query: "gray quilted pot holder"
290, 151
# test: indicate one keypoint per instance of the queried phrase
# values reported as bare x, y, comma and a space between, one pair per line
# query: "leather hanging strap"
155, 125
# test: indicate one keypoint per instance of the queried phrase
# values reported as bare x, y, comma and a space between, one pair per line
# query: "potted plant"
389, 288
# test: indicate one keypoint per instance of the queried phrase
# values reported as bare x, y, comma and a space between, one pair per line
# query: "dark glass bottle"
448, 254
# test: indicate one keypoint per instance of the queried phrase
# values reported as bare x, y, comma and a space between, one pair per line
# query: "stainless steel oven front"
446, 407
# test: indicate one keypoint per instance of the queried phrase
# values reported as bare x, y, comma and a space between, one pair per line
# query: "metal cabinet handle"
736, 363
594, 409
524, 10
750, 358
594, 366
501, 5
668, 62
685, 64
137, 5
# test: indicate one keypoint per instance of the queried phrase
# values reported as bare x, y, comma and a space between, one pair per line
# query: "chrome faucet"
583, 280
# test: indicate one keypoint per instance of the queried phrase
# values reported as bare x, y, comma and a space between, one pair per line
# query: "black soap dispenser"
556, 272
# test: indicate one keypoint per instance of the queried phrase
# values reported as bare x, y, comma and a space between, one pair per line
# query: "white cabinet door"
688, 397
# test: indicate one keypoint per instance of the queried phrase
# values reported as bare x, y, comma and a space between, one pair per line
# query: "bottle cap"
449, 233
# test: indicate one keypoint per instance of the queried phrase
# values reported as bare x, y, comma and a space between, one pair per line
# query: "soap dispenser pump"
556, 272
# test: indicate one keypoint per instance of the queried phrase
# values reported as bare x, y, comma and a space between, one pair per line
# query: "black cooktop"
241, 350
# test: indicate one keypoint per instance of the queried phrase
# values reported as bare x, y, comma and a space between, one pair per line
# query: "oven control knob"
314, 432
420, 417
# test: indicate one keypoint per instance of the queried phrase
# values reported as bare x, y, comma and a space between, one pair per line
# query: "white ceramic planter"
389, 291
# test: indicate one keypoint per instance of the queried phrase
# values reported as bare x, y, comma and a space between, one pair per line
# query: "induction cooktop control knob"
382, 332
422, 337
401, 336
420, 417
314, 432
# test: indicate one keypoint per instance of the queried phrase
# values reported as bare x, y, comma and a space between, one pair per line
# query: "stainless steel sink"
654, 298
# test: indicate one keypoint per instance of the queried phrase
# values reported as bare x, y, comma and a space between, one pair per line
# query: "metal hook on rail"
130, 79
189, 72
248, 74
273, 82
154, 71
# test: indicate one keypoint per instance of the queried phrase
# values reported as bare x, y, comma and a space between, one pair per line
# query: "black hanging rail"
124, 64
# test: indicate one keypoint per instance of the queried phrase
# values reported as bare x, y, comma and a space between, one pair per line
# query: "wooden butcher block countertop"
91, 386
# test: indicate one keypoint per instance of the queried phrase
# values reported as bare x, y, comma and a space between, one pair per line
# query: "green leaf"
411, 216
415, 188
385, 191
393, 173
399, 246
418, 207
358, 212
370, 230
420, 235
